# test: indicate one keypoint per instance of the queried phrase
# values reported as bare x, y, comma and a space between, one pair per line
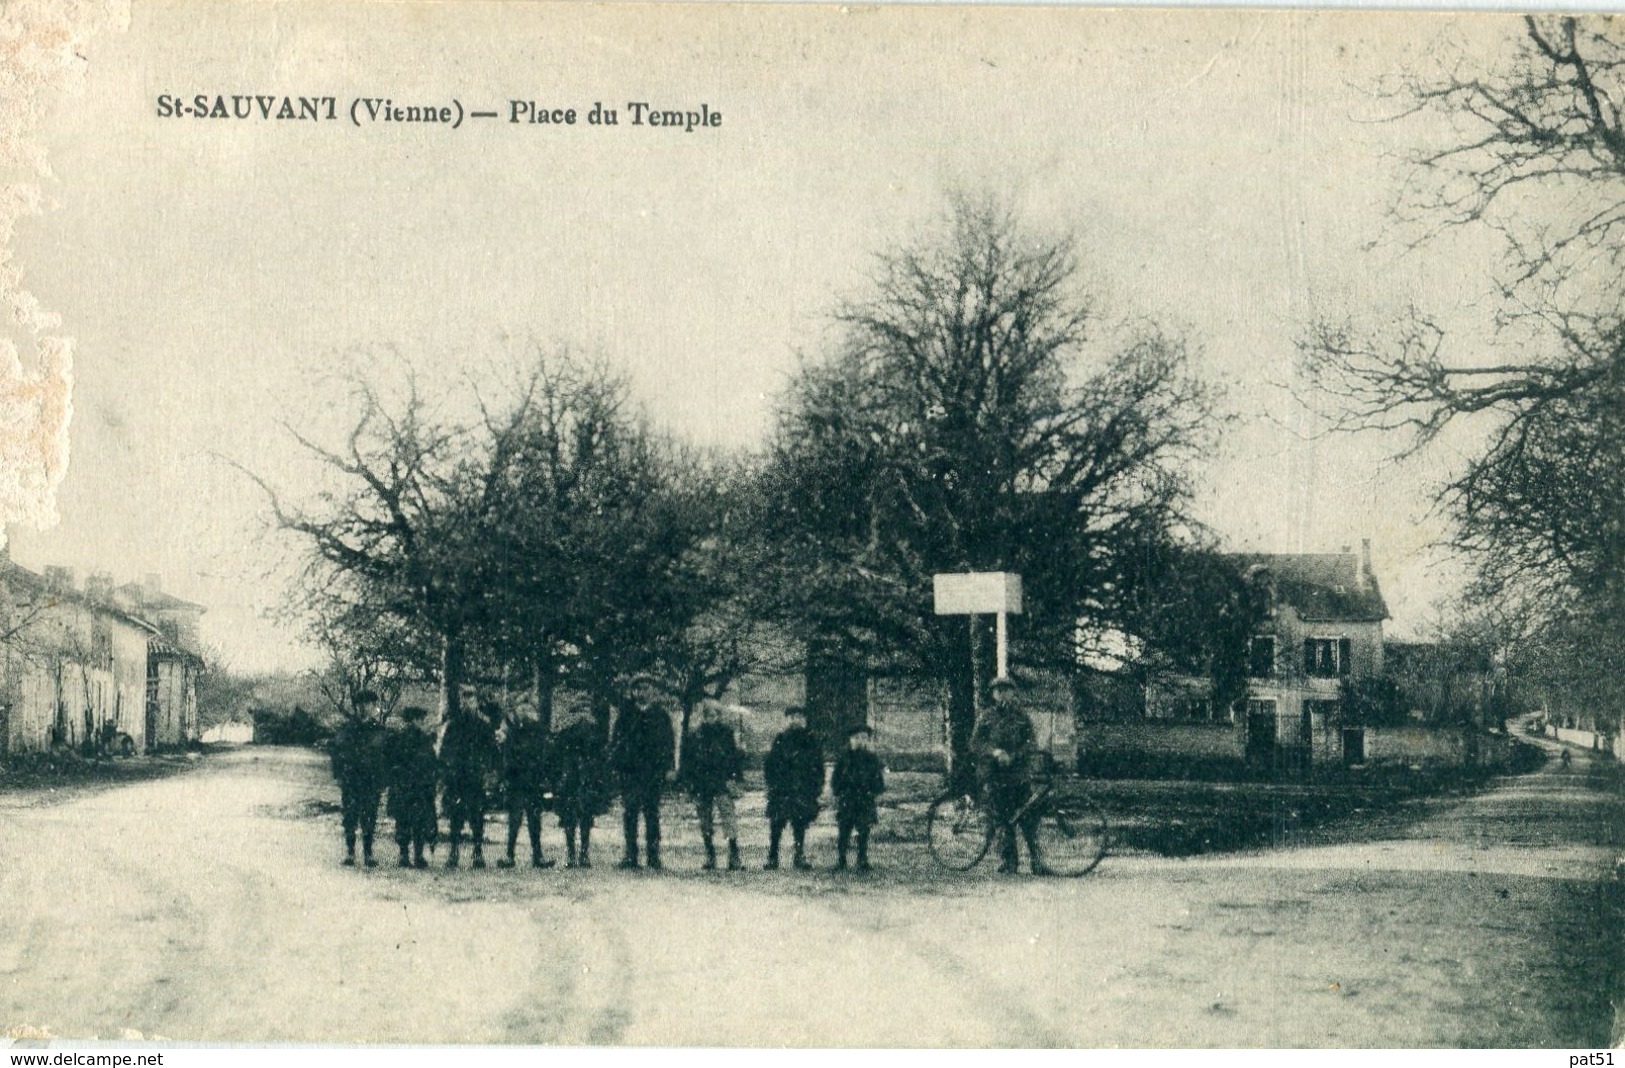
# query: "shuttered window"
1320, 657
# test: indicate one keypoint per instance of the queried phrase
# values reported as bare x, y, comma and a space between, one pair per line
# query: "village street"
211, 906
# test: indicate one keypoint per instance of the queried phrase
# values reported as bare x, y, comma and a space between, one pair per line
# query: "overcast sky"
1225, 173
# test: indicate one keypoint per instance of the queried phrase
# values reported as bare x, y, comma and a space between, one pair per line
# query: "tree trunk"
837, 695
963, 669
688, 714
545, 680
690, 699
601, 698
451, 676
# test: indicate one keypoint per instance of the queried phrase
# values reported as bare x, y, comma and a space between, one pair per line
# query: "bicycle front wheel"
1072, 838
959, 831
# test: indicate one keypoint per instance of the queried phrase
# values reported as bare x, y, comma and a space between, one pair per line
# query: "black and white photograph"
725, 526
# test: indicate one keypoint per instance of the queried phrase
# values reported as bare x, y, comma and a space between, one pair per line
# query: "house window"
1326, 658
1261, 657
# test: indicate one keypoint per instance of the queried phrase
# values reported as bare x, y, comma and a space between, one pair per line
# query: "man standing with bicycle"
1004, 744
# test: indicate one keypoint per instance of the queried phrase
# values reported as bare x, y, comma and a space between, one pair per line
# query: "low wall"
1453, 746
1147, 745
1415, 745
1191, 740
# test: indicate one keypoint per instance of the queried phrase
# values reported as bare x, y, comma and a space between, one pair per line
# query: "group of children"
574, 773
713, 768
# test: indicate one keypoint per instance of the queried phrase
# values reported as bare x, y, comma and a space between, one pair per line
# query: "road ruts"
211, 907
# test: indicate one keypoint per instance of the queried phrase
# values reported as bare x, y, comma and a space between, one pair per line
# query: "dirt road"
211, 906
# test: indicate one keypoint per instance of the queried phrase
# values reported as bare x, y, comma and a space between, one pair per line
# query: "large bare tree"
589, 543
1535, 157
965, 425
397, 531
539, 537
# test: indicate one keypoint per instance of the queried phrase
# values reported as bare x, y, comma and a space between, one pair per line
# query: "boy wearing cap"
357, 765
712, 768
468, 749
857, 780
580, 784
524, 776
641, 748
794, 770
412, 770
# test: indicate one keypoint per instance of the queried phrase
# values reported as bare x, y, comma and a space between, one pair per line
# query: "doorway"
1261, 731
1353, 745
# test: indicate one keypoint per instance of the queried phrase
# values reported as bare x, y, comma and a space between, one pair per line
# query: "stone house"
173, 661
1323, 627
84, 668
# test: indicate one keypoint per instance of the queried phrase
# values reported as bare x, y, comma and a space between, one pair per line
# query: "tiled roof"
156, 639
15, 572
1320, 586
159, 645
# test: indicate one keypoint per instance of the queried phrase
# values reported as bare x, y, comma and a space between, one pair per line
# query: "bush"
298, 727
1375, 701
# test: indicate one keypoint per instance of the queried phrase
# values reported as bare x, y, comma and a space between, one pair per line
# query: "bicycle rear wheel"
1072, 837
959, 830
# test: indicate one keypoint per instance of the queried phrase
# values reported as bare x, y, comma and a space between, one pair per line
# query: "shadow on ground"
45, 778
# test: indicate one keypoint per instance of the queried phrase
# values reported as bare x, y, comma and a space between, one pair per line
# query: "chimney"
99, 586
1365, 560
152, 585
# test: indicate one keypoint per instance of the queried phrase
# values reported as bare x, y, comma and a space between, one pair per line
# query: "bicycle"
1072, 832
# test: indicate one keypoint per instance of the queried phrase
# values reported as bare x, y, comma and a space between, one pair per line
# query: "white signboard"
977, 593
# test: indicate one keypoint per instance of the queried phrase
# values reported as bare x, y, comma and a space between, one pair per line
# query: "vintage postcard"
535, 524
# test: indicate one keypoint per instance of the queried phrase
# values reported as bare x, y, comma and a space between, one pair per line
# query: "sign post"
981, 593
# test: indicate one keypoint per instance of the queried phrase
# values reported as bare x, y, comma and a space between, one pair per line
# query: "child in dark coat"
794, 770
580, 781
413, 769
524, 780
857, 780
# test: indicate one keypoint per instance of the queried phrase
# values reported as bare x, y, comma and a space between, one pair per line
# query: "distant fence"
1605, 743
